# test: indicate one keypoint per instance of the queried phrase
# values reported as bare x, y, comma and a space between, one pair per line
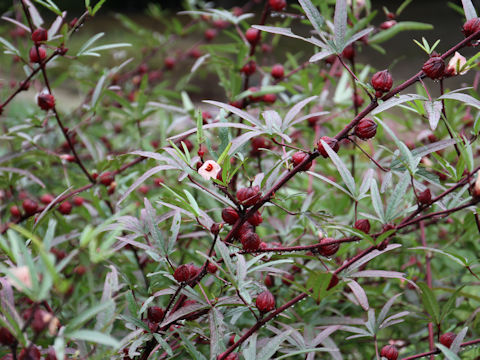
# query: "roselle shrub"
200, 191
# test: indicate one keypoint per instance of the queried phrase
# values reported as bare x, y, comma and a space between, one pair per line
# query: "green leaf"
342, 169
469, 9
86, 315
313, 14
272, 346
385, 35
397, 197
376, 200
430, 302
450, 304
340, 23
449, 354
93, 336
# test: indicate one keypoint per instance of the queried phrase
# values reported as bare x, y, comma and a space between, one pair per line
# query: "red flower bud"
182, 273
249, 196
107, 178
277, 71
471, 27
269, 98
40, 35
29, 353
348, 52
333, 282
269, 281
382, 82
387, 24
287, 279
6, 337
252, 35
210, 34
37, 56
15, 211
194, 270
244, 229
330, 249
250, 241
255, 219
298, 157
30, 206
425, 197
46, 101
229, 215
434, 67
366, 129
363, 225
332, 142
258, 143
65, 208
265, 302
212, 268
169, 63
447, 339
390, 352
155, 314
46, 199
231, 356
249, 68
277, 5
357, 100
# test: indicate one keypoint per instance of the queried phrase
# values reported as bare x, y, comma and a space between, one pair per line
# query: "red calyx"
277, 5
15, 211
250, 241
357, 100
252, 35
348, 52
387, 24
434, 67
155, 314
390, 352
210, 34
447, 339
332, 142
287, 279
229, 215
269, 281
249, 68
78, 201
265, 302
366, 129
330, 249
425, 197
277, 71
362, 225
255, 219
37, 56
249, 196
106, 178
382, 81
269, 98
182, 273
65, 208
169, 63
46, 101
29, 353
471, 27
231, 356
212, 268
40, 35
297, 159
6, 337
258, 143
29, 206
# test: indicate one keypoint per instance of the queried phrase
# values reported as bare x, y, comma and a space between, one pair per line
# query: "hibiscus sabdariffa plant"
312, 208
